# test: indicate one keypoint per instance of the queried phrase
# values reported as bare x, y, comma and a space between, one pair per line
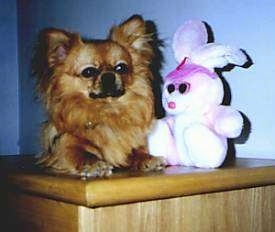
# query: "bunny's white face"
192, 95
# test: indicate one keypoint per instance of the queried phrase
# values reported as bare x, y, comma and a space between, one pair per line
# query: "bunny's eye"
171, 88
184, 88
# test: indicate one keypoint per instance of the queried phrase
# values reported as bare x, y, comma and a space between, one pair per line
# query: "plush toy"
196, 127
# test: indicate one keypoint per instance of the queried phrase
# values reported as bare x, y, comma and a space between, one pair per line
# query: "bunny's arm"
226, 121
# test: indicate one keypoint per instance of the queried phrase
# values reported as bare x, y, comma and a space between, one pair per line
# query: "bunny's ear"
188, 37
214, 55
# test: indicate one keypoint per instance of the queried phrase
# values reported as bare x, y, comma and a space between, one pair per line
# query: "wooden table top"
19, 172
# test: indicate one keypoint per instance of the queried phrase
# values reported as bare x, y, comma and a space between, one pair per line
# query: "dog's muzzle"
109, 87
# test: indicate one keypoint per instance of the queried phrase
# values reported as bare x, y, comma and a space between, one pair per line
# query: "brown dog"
99, 100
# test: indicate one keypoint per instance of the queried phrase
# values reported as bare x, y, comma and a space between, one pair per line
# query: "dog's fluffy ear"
57, 44
132, 34
52, 48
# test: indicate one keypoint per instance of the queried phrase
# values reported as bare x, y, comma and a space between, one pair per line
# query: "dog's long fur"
94, 126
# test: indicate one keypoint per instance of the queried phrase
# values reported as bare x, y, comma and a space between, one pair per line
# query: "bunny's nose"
171, 105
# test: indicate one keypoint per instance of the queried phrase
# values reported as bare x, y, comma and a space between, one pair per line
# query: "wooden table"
237, 197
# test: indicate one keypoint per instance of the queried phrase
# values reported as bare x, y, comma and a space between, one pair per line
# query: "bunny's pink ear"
187, 38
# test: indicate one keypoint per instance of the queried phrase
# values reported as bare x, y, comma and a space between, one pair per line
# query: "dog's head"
98, 69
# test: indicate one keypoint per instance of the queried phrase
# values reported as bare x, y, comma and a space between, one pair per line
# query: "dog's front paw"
156, 163
97, 169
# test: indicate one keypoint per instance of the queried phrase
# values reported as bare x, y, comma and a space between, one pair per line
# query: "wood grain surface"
29, 213
125, 187
246, 210
237, 197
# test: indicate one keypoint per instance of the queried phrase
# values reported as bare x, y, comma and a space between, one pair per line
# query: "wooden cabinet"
238, 197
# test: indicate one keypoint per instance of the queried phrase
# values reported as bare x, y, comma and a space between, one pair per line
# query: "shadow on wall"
231, 152
156, 66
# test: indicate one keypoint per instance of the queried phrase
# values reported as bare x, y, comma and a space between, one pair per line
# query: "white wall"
248, 24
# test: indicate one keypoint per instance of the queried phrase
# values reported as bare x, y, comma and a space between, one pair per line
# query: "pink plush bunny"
196, 128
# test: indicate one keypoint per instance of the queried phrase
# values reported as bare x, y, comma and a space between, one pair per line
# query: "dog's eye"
121, 68
90, 72
184, 88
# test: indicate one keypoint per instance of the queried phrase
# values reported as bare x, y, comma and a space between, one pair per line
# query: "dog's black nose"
109, 87
108, 81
